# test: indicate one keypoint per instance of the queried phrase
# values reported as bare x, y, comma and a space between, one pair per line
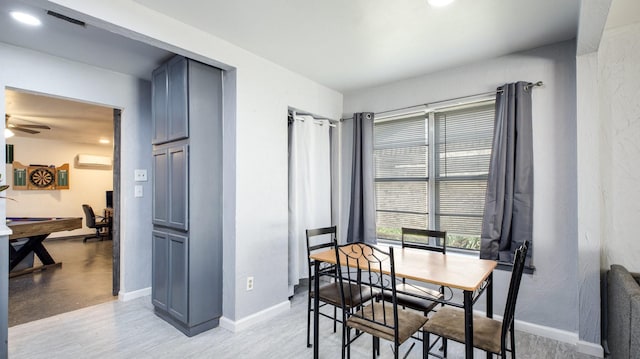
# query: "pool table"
36, 230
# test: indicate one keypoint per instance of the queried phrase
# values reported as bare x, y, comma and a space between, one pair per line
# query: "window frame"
433, 178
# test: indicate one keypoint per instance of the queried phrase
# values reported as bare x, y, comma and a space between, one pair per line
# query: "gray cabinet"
160, 269
178, 276
170, 186
169, 101
187, 195
170, 274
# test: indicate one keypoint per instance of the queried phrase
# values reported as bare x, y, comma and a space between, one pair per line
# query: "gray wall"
554, 141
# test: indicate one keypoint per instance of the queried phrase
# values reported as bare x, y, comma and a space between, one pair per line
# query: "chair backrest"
89, 215
363, 264
514, 287
317, 240
419, 238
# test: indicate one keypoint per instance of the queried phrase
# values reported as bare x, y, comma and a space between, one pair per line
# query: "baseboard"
248, 321
547, 332
590, 349
127, 296
562, 336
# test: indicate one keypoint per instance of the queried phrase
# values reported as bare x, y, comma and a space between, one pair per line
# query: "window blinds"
401, 174
461, 151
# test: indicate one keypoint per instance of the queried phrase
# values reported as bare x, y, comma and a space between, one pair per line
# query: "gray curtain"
362, 216
508, 212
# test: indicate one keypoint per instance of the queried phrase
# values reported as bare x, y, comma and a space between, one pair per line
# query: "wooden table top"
455, 271
28, 227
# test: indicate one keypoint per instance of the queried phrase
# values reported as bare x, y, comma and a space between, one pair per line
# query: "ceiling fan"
24, 127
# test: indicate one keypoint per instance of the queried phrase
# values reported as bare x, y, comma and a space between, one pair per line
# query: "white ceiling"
351, 44
622, 13
70, 121
343, 44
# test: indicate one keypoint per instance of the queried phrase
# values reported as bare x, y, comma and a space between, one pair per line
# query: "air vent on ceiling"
66, 18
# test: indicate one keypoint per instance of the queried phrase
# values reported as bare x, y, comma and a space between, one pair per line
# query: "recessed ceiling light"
439, 3
104, 140
26, 18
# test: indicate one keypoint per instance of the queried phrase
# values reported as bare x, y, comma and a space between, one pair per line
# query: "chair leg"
309, 319
513, 342
335, 312
373, 347
425, 344
444, 346
347, 344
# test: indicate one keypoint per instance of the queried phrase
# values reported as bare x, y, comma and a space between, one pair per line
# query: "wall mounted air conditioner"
92, 161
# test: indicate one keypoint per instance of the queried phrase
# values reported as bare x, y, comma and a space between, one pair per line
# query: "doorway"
58, 132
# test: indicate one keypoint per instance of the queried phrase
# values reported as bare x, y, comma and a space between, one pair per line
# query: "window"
431, 172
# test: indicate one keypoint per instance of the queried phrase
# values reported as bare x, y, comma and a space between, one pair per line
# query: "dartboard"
41, 177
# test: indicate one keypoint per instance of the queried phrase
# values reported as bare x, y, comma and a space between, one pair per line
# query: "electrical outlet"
249, 283
140, 175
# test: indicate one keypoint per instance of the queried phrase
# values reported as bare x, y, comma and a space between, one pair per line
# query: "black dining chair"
411, 295
489, 334
320, 239
381, 317
92, 222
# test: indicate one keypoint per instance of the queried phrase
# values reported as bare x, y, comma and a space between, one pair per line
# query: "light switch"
138, 191
140, 175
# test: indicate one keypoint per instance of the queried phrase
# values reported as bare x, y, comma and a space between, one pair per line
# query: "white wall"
590, 207
85, 185
257, 154
619, 90
34, 71
548, 297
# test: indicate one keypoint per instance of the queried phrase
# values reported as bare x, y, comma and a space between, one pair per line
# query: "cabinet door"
159, 269
179, 189
178, 277
159, 114
178, 122
160, 209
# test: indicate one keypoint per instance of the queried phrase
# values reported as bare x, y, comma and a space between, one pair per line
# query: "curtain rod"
293, 111
498, 90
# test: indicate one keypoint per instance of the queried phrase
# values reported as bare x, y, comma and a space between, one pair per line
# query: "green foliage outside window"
453, 240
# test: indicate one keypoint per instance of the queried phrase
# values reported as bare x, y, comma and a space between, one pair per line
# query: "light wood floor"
131, 330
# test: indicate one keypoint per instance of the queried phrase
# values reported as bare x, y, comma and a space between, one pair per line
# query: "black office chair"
91, 222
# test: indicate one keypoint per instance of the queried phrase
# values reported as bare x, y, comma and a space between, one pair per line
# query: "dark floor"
84, 279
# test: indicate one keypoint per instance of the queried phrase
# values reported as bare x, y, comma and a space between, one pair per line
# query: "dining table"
466, 273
